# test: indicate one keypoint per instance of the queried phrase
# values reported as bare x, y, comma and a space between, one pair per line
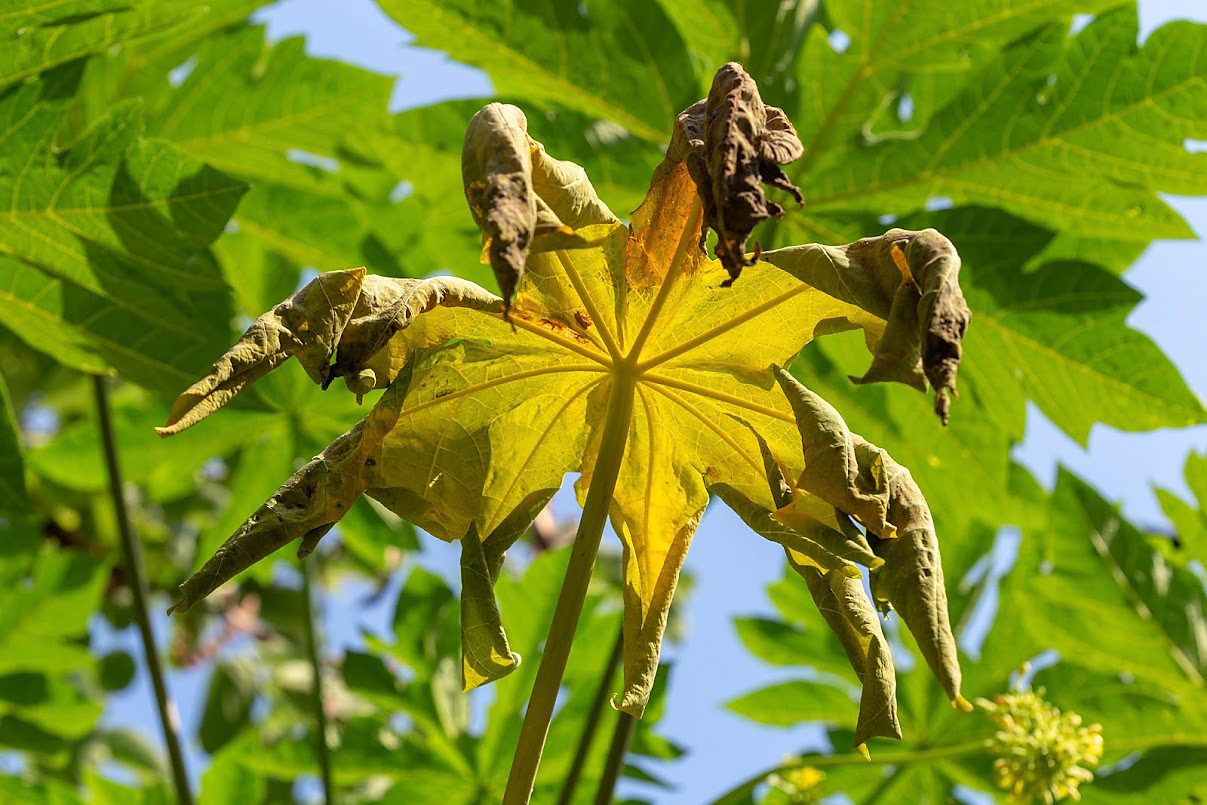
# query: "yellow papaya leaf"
625, 330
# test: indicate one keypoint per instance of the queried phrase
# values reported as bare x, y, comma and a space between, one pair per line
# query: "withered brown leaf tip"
733, 144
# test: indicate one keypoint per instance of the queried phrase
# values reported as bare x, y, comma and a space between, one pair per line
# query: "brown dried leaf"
305, 507
733, 144
344, 310
307, 324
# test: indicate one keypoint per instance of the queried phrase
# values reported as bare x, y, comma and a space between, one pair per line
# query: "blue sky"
731, 566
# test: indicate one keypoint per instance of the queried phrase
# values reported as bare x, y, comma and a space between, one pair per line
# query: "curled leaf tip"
305, 507
306, 326
521, 198
733, 144
909, 282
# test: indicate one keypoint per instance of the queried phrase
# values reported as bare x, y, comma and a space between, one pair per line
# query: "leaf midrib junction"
616, 362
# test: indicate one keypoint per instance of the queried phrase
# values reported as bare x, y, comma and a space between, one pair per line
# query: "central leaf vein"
711, 425
720, 396
499, 381
721, 328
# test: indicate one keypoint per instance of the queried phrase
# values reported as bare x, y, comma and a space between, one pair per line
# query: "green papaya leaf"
265, 101
1041, 90
227, 778
488, 406
12, 468
105, 259
40, 36
49, 702
597, 63
42, 619
1191, 523
1105, 586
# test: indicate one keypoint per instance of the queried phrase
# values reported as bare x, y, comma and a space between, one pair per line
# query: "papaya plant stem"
591, 723
136, 577
615, 763
316, 686
574, 587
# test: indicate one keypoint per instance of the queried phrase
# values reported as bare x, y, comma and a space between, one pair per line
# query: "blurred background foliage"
168, 174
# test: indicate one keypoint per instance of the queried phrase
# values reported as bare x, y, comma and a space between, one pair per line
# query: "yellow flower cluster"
801, 785
1042, 753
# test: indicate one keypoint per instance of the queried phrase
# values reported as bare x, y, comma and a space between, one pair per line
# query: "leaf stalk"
574, 588
615, 762
322, 750
136, 575
591, 723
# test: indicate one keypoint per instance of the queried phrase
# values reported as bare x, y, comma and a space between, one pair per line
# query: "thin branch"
316, 686
137, 578
615, 762
591, 724
741, 792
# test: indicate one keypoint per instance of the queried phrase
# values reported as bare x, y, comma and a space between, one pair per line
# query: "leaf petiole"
574, 588
132, 561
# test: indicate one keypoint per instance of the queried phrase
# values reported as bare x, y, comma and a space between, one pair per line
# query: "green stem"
591, 724
137, 579
615, 763
741, 793
316, 687
574, 588
886, 782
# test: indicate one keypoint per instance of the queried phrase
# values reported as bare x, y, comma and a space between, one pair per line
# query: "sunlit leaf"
105, 245
256, 110
40, 36
1104, 586
608, 322
597, 59
1191, 524
1058, 121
